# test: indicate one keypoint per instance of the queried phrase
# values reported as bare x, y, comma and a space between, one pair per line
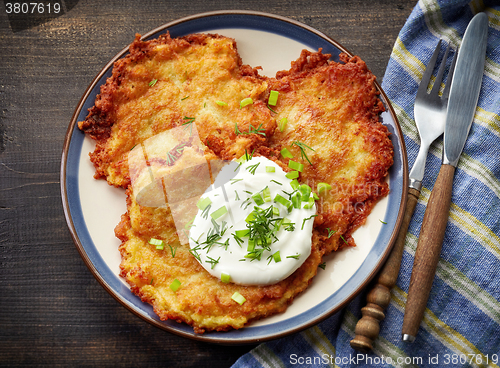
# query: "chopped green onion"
218, 213
238, 298
296, 200
273, 98
270, 169
277, 257
286, 153
241, 160
295, 165
309, 204
294, 184
315, 196
225, 278
153, 82
242, 233
323, 187
385, 223
258, 199
157, 242
250, 216
203, 203
305, 190
251, 245
221, 103
282, 124
245, 102
174, 286
292, 174
288, 224
282, 200
276, 211
266, 193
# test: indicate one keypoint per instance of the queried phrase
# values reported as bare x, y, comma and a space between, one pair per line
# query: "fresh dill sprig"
189, 123
302, 148
252, 168
212, 261
251, 130
304, 221
206, 211
330, 232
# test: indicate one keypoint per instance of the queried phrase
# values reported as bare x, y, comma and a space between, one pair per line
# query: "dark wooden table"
52, 310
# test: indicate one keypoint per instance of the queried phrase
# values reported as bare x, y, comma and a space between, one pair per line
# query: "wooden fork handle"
428, 251
367, 328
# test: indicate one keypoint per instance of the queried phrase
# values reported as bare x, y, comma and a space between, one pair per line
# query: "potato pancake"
332, 117
326, 116
166, 83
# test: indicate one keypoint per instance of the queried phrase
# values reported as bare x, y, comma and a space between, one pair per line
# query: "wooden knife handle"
428, 251
367, 328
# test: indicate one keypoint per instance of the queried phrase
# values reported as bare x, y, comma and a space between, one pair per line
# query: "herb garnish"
302, 148
189, 122
330, 232
252, 168
251, 130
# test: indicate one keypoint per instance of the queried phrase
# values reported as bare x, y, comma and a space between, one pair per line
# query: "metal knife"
462, 102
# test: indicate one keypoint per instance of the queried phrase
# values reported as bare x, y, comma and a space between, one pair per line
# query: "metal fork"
430, 112
430, 117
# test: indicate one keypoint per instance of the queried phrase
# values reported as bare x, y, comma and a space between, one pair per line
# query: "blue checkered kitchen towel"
461, 325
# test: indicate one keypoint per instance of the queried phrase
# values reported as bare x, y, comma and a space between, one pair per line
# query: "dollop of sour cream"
256, 228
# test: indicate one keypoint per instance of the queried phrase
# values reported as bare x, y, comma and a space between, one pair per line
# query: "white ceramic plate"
93, 208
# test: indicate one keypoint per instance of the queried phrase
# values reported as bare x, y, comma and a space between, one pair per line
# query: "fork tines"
426, 77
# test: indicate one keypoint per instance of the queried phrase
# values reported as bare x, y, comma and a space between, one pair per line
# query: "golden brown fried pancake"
202, 300
332, 113
333, 108
165, 83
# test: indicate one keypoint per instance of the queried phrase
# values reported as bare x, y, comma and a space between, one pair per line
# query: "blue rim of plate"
210, 22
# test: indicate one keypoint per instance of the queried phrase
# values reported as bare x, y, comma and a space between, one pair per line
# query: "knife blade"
462, 102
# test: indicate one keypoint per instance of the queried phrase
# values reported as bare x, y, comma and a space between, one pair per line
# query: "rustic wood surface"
52, 310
